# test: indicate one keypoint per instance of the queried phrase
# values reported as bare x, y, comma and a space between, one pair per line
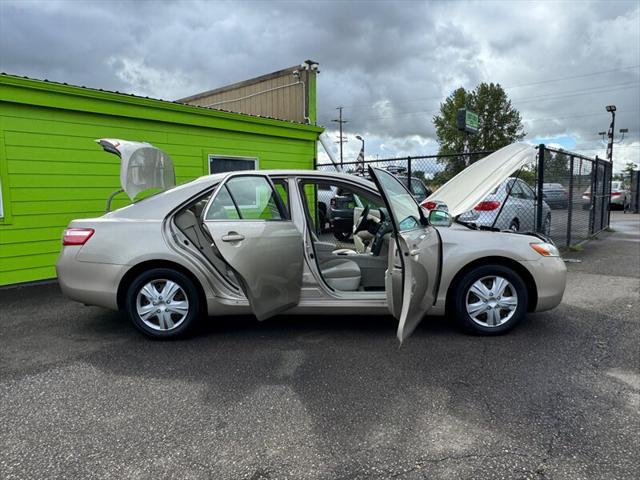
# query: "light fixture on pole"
610, 133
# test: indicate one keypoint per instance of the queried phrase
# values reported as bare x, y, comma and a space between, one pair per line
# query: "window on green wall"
222, 164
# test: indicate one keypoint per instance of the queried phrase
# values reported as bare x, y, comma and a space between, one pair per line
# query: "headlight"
545, 249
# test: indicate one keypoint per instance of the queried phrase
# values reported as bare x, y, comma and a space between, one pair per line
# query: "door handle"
232, 237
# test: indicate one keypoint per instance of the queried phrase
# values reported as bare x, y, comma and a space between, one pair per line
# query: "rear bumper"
550, 275
87, 282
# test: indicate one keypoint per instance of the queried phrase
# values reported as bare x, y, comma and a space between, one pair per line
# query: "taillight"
429, 205
76, 236
487, 206
615, 194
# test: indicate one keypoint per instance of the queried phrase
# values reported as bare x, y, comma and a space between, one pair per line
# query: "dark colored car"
555, 195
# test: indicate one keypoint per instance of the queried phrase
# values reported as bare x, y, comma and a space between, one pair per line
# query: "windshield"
418, 189
404, 208
615, 186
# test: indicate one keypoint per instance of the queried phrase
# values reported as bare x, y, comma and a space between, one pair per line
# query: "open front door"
413, 273
251, 230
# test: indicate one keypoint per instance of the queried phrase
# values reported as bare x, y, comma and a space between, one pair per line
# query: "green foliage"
500, 125
556, 168
629, 168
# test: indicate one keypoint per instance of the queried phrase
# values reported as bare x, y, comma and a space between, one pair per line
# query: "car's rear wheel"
163, 303
489, 300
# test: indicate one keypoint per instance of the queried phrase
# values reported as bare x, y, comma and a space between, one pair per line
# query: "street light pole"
611, 109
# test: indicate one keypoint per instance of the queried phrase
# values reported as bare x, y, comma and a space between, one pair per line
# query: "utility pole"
341, 137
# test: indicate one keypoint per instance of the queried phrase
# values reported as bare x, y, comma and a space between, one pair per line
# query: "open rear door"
251, 230
413, 274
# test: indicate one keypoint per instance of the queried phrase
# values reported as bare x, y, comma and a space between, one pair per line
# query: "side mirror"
440, 218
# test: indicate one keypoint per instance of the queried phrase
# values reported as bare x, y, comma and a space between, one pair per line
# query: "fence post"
540, 191
409, 174
607, 188
592, 207
570, 202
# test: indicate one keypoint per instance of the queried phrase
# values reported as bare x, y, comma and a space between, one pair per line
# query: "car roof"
215, 177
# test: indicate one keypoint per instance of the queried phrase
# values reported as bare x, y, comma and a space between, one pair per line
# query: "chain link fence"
564, 195
634, 191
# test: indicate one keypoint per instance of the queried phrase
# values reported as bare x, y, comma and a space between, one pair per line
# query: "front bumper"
550, 276
87, 282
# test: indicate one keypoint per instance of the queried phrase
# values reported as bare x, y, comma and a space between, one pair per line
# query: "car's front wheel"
489, 300
163, 303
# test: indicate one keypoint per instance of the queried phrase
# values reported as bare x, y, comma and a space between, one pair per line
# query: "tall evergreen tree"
500, 124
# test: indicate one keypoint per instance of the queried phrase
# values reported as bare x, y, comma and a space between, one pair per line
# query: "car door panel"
267, 258
255, 238
421, 271
413, 273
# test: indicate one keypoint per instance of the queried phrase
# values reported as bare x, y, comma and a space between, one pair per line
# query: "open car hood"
474, 183
142, 166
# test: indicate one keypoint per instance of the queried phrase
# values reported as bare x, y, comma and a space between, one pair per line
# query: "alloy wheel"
491, 301
162, 304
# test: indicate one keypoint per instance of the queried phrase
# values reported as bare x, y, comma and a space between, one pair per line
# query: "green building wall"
52, 171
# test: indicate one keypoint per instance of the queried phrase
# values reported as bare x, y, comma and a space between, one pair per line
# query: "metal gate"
564, 195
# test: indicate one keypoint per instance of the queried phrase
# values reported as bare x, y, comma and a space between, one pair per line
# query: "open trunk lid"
142, 166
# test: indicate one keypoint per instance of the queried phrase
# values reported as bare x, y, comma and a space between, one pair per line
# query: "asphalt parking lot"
84, 395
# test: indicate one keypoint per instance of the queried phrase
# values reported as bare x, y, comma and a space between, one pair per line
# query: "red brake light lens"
487, 206
76, 236
615, 194
429, 205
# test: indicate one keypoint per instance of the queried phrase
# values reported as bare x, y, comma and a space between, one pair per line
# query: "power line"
418, 99
554, 96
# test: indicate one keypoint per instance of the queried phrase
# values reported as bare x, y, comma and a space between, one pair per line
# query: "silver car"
620, 195
245, 242
510, 206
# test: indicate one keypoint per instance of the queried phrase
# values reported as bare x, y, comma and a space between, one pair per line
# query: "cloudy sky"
388, 63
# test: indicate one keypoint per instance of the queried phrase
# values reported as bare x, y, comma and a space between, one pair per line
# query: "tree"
556, 167
629, 168
500, 124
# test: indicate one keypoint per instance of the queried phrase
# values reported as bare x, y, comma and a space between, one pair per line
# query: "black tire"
546, 226
322, 217
458, 300
342, 236
189, 290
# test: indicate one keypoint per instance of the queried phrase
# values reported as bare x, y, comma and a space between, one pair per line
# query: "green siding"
52, 171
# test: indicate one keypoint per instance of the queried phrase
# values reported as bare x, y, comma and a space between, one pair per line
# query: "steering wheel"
362, 221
